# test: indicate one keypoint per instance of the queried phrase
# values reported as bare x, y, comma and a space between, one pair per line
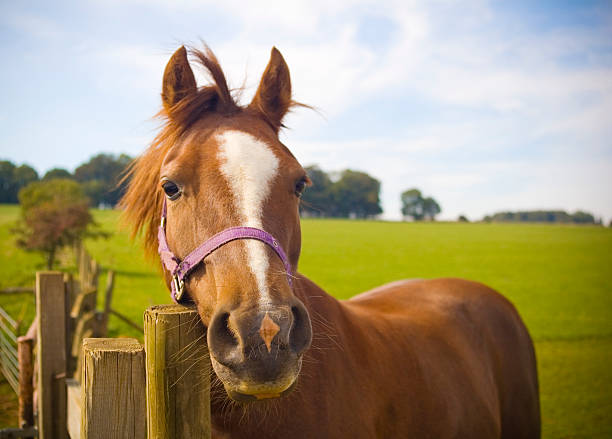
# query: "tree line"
348, 194
345, 194
544, 216
99, 178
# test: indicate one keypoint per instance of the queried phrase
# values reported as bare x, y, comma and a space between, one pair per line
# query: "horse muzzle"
257, 353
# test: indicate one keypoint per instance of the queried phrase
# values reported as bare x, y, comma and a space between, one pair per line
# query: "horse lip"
248, 398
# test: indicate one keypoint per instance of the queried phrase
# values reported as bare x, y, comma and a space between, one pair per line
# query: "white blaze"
249, 167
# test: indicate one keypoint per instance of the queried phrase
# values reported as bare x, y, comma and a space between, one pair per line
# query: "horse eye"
171, 189
300, 186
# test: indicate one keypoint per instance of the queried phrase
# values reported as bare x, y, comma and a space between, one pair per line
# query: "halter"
181, 269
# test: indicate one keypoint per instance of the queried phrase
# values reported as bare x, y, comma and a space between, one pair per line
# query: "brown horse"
443, 358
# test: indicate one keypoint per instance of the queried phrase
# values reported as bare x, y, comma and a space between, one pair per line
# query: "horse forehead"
247, 162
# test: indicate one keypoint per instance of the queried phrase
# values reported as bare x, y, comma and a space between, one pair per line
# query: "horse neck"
326, 312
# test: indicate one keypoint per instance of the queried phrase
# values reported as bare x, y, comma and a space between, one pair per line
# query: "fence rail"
9, 362
17, 290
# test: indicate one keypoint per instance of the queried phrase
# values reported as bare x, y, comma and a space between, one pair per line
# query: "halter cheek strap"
181, 269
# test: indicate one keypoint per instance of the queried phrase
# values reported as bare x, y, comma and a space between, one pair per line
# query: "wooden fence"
38, 364
87, 387
171, 372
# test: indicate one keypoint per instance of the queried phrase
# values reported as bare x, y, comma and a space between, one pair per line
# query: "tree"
24, 175
13, 178
463, 219
417, 207
412, 204
356, 194
101, 175
581, 217
317, 199
431, 208
54, 214
57, 173
8, 192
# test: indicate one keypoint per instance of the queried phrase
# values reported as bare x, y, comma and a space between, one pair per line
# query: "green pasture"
557, 276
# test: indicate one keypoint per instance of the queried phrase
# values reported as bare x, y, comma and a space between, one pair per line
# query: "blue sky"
485, 106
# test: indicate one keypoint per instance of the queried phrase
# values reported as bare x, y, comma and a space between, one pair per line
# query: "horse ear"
178, 79
273, 96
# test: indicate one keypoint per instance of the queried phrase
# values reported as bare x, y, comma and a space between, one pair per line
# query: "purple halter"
181, 269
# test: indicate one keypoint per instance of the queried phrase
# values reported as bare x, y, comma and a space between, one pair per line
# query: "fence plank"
73, 417
178, 373
86, 323
84, 302
51, 355
4, 315
26, 390
108, 297
113, 389
10, 377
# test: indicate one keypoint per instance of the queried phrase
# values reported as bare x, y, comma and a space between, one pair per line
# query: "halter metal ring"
179, 287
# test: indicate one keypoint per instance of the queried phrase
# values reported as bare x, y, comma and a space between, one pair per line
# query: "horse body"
438, 358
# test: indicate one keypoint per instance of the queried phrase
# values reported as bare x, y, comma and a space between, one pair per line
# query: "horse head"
217, 166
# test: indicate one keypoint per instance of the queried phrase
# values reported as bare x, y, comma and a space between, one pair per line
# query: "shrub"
54, 214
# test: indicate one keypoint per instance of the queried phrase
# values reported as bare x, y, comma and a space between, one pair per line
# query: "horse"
429, 358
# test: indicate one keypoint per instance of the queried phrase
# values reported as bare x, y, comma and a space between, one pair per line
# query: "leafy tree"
54, 214
317, 199
96, 190
412, 204
431, 208
57, 173
13, 178
463, 219
102, 174
581, 217
417, 207
356, 194
351, 193
24, 175
8, 192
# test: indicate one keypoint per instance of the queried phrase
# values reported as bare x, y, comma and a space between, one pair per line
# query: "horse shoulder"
472, 348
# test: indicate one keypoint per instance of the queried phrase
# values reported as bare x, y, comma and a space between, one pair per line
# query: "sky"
486, 106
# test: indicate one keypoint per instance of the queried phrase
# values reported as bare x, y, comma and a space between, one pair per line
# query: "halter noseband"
181, 269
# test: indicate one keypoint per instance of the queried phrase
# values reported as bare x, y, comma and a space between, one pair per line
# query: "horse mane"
142, 175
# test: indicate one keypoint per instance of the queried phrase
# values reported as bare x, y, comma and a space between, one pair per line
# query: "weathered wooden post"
51, 354
178, 373
26, 391
113, 389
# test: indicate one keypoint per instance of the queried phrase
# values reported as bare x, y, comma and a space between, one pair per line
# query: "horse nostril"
301, 330
221, 339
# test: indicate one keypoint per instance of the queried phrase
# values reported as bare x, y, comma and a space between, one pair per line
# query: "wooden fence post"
178, 373
26, 371
113, 389
51, 355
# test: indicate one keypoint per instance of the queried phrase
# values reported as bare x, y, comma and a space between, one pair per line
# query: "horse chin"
250, 398
248, 391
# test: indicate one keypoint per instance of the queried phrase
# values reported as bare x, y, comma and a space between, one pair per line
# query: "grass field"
559, 278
